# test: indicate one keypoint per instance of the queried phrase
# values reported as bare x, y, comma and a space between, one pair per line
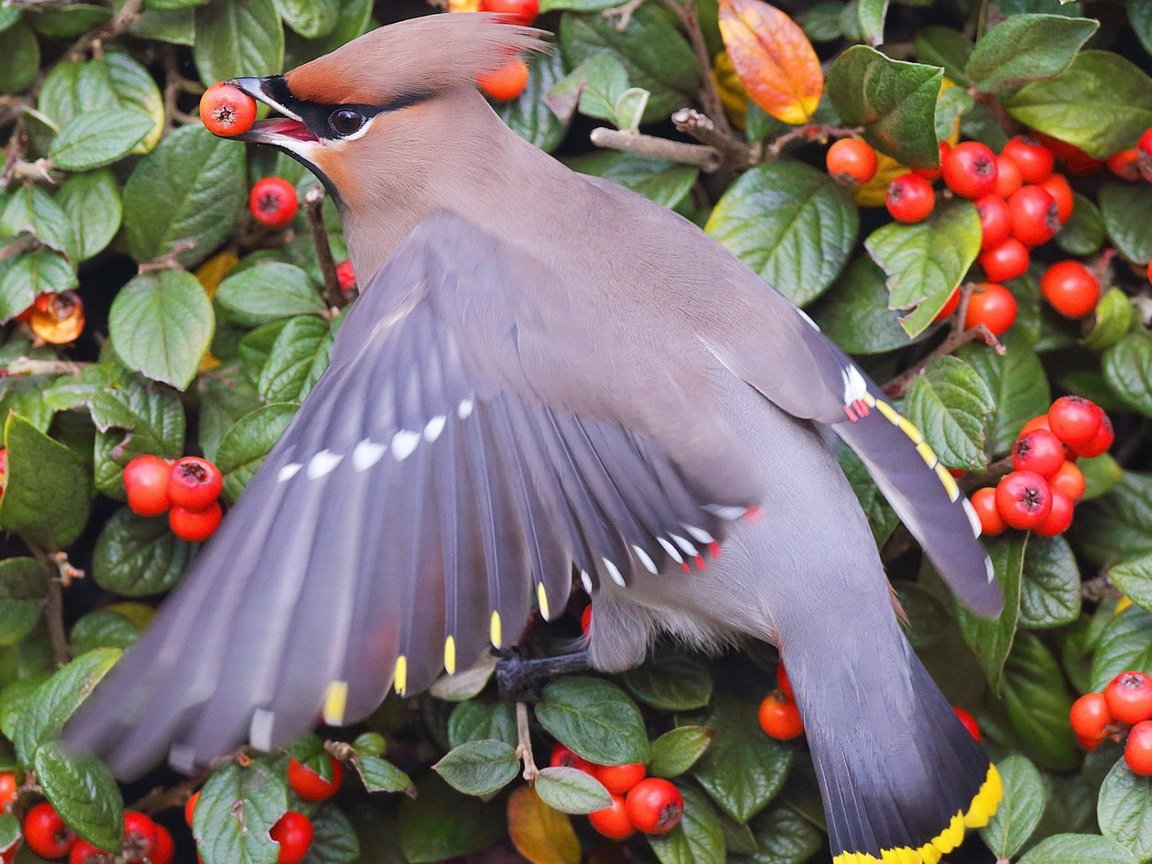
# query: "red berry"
851, 161
8, 789
309, 785
1035, 216
146, 483
195, 526
1034, 160
613, 821
1039, 451
1138, 750
949, 306
1074, 159
1069, 480
1008, 178
586, 619
507, 82
83, 852
995, 221
1089, 716
1129, 697
1074, 420
294, 834
992, 305
1057, 186
45, 832
910, 198
190, 807
345, 276
515, 11
654, 806
165, 849
227, 110
1125, 164
273, 202
1087, 743
562, 757
1040, 421
984, 503
970, 170
139, 835
779, 717
194, 483
618, 779
1023, 499
782, 682
1059, 518
1144, 154
1100, 442
1005, 261
1071, 289
969, 722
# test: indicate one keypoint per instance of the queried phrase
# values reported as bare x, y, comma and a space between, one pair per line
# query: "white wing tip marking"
403, 443
726, 512
973, 518
434, 427
614, 572
322, 463
646, 560
464, 409
988, 567
182, 758
672, 551
808, 319
586, 581
854, 384
367, 453
699, 534
685, 545
260, 729
288, 472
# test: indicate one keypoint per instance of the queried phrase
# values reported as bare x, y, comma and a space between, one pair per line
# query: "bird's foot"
518, 678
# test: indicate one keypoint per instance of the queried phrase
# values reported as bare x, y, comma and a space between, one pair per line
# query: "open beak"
288, 132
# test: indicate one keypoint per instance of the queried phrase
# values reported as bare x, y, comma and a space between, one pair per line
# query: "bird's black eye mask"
333, 122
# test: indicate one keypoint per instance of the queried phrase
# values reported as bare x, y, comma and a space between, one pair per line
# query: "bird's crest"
414, 57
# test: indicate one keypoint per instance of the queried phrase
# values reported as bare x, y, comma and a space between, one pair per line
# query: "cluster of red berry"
56, 318
187, 490
508, 82
1122, 711
651, 805
273, 201
1041, 492
45, 833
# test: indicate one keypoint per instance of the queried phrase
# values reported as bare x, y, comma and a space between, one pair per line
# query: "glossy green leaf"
478, 719
595, 719
310, 18
1124, 810
678, 749
1119, 520
950, 403
1127, 215
161, 324
784, 837
1124, 645
1050, 592
238, 806
698, 839
791, 224
25, 277
670, 681
664, 182
135, 88
992, 639
1038, 701
1025, 48
1077, 849
299, 357
529, 115
1111, 322
23, 589
855, 314
247, 443
241, 37
1020, 810
571, 790
1083, 233
380, 775
943, 46
21, 53
893, 100
30, 208
138, 557
925, 262
1133, 576
266, 292
1140, 16
84, 793
334, 840
134, 416
440, 823
1017, 383
108, 627
479, 768
92, 204
1100, 104
1128, 370
98, 138
870, 14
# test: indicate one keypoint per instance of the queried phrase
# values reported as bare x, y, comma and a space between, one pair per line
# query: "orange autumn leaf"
539, 833
773, 58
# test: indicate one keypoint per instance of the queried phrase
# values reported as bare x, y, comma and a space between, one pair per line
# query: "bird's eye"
345, 121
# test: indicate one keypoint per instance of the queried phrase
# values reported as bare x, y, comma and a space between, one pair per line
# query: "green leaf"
893, 100
855, 315
1083, 233
1128, 370
161, 324
55, 700
529, 115
1101, 474
1124, 810
68, 22
1127, 215
25, 277
595, 719
139, 557
475, 719
241, 37
98, 138
47, 490
238, 806
267, 292
821, 22
1020, 811
109, 627
30, 208
440, 823
247, 443
353, 19
23, 589
9, 825
334, 840
135, 88
992, 640
73, 87
949, 402
153, 418
91, 202
926, 262
571, 790
1111, 322
1117, 521
1038, 701
1017, 383
299, 357
1026, 48
1077, 849
1050, 593
657, 58
1101, 104
1124, 645
943, 46
21, 53
189, 190
743, 769
223, 401
698, 839
310, 18
479, 768
602, 79
577, 5
791, 224
784, 837
1134, 578
870, 14
380, 775
662, 181
84, 793
1140, 17
677, 750
670, 681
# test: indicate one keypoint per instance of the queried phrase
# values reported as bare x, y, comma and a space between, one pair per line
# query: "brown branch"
734, 154
811, 132
117, 24
168, 260
54, 615
896, 387
162, 798
524, 743
709, 95
25, 243
702, 156
314, 210
28, 366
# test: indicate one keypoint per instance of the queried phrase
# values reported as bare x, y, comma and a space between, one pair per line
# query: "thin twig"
709, 95
314, 210
54, 615
623, 14
524, 743
811, 132
25, 243
112, 28
702, 156
162, 798
167, 261
29, 366
734, 154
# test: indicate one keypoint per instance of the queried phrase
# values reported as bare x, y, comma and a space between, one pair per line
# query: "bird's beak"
288, 132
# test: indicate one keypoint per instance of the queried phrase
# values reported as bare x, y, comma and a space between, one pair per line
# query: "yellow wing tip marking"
542, 600
892, 415
494, 629
450, 655
335, 703
983, 806
927, 454
400, 678
948, 481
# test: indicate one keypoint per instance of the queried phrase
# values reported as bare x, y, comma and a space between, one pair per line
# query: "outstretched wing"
431, 486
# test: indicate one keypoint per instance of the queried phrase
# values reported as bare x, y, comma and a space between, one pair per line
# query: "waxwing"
549, 380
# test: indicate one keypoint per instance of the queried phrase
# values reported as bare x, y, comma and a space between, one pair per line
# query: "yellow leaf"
733, 96
774, 59
212, 272
539, 833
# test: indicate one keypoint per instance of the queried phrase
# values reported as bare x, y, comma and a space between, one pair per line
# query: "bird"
549, 381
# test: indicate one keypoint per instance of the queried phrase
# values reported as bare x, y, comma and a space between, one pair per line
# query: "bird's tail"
901, 778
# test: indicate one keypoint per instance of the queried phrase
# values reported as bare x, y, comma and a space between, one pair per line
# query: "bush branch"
734, 153
524, 743
117, 24
314, 210
702, 156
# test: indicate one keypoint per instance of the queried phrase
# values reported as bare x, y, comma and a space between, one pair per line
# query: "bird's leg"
518, 677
